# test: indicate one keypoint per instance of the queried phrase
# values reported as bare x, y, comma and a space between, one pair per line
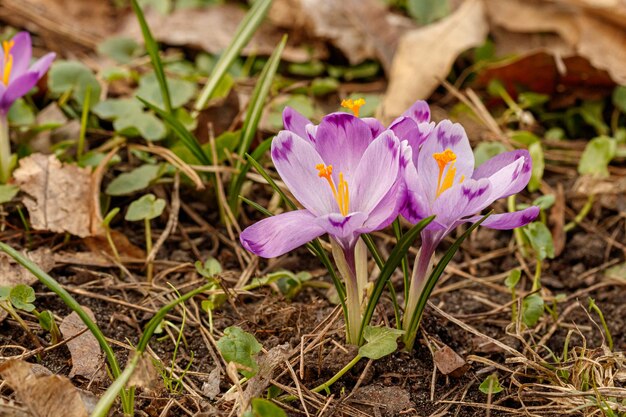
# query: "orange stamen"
354, 105
8, 61
341, 193
444, 159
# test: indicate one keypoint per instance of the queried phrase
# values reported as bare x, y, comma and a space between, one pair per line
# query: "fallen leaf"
43, 394
211, 387
212, 29
425, 55
12, 273
145, 375
450, 363
387, 401
58, 194
87, 357
267, 364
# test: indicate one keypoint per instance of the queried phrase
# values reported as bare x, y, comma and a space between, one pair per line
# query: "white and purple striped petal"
507, 221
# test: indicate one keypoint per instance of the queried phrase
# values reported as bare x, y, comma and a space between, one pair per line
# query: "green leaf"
597, 155
303, 104
524, 137
21, 114
619, 98
307, 69
513, 278
265, 408
7, 192
121, 49
209, 269
491, 385
536, 154
22, 297
487, 150
243, 34
46, 320
146, 207
545, 201
381, 341
240, 347
591, 112
555, 133
324, 86
113, 108
529, 99
143, 124
532, 309
73, 76
5, 292
540, 239
427, 11
181, 91
135, 180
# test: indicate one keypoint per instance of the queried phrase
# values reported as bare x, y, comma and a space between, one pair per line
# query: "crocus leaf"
74, 76
7, 192
121, 49
146, 207
181, 91
532, 309
240, 347
597, 155
265, 408
380, 342
22, 297
135, 180
536, 154
491, 385
513, 278
540, 239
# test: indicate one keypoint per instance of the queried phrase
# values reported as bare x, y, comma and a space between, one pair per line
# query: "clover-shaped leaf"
181, 91
74, 76
22, 297
540, 239
532, 309
491, 385
209, 269
381, 341
240, 347
135, 180
145, 208
5, 293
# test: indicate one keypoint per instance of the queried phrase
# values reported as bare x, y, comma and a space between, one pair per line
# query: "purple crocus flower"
17, 75
347, 175
442, 181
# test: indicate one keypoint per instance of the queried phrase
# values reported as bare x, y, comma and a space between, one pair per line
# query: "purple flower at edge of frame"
445, 183
17, 75
345, 174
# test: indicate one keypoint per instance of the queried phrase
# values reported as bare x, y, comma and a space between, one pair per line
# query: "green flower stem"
5, 150
69, 301
150, 266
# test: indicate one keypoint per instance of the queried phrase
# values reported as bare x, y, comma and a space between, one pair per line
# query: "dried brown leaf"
57, 194
87, 357
44, 395
425, 55
12, 273
145, 374
450, 363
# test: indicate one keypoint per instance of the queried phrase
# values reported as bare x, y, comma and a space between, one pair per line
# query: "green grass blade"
395, 258
153, 51
434, 277
186, 137
253, 115
243, 34
69, 301
397, 229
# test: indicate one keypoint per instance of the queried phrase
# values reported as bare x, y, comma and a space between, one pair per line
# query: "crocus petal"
414, 133
42, 64
375, 126
17, 88
461, 200
22, 53
295, 160
295, 122
376, 173
508, 172
277, 235
341, 139
419, 112
414, 207
507, 221
343, 229
446, 135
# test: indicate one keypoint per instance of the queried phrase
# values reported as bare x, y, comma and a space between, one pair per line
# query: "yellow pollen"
8, 61
341, 193
444, 159
354, 105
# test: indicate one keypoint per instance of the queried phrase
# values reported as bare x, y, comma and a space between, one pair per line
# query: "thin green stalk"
69, 301
83, 124
537, 278
519, 235
150, 266
581, 215
596, 309
243, 34
5, 150
397, 229
153, 51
